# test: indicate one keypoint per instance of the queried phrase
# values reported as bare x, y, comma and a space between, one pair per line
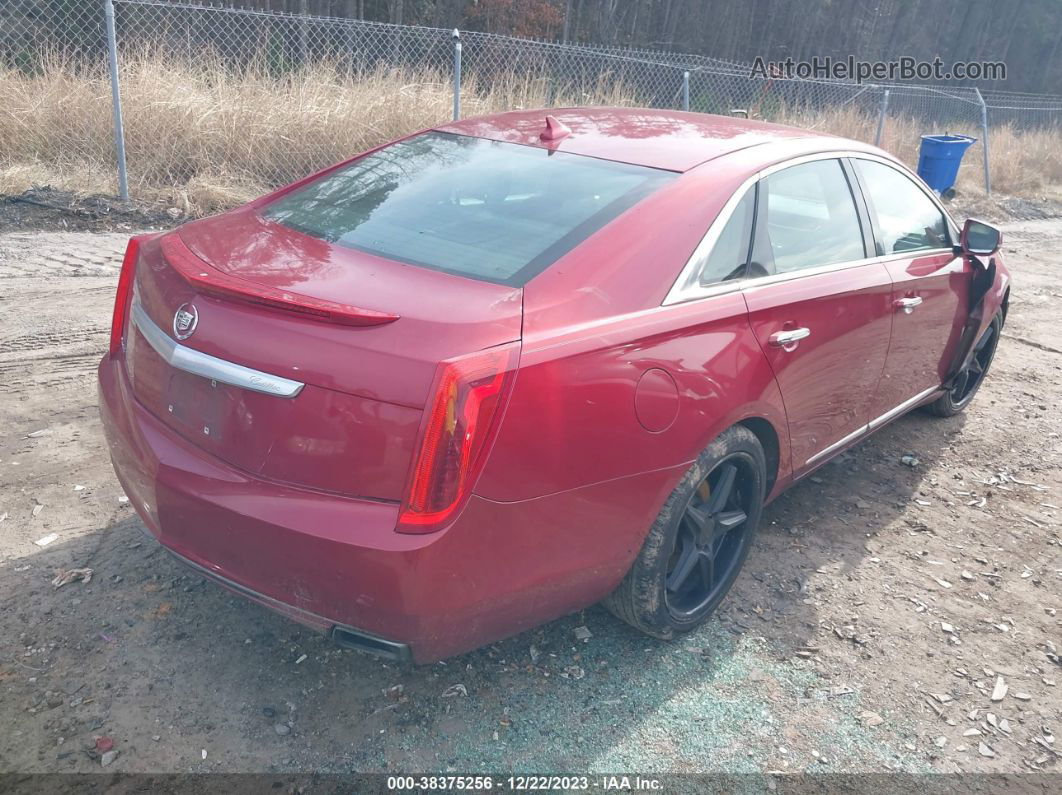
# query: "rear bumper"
331, 561
320, 559
345, 636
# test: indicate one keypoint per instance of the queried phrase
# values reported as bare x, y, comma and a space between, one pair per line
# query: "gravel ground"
880, 609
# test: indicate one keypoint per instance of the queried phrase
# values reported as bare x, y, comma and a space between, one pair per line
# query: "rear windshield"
494, 211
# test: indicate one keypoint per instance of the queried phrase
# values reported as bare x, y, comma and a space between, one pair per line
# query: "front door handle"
908, 304
787, 340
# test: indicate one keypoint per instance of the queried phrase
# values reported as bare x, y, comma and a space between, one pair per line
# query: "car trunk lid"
363, 334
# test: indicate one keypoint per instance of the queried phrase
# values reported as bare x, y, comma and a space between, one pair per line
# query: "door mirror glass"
980, 239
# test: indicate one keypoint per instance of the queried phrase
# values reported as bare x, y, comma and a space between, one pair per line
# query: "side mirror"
979, 239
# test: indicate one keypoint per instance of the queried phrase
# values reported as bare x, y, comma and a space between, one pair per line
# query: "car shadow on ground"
149, 649
830, 521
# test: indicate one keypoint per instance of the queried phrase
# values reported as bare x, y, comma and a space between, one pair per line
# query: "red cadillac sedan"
500, 370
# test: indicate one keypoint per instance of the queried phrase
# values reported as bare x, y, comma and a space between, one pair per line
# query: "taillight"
469, 395
124, 294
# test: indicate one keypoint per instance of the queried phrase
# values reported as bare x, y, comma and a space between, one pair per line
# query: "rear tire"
699, 541
969, 381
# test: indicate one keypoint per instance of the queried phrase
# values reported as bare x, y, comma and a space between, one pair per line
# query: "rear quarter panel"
572, 420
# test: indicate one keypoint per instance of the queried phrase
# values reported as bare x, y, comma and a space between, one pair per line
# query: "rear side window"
905, 219
489, 210
811, 218
730, 254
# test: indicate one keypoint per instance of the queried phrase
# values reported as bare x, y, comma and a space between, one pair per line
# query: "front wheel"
966, 383
699, 541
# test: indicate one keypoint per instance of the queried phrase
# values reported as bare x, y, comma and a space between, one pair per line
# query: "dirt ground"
890, 617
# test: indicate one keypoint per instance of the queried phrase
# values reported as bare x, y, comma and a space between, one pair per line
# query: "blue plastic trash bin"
939, 158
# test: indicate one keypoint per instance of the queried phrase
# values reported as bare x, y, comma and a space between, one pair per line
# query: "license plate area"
200, 406
236, 425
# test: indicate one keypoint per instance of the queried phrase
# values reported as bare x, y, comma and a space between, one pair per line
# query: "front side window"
905, 218
811, 219
488, 210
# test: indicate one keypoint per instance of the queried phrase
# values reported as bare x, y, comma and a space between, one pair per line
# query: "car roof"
668, 139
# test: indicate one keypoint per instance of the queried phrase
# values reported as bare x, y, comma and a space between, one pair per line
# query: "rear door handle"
788, 340
908, 304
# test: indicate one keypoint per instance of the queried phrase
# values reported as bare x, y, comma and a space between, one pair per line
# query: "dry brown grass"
204, 138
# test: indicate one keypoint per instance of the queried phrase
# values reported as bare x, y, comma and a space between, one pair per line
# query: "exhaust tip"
370, 644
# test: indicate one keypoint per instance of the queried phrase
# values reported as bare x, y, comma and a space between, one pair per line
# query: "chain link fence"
263, 97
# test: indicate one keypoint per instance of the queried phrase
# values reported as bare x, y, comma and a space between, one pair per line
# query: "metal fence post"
881, 117
116, 100
456, 35
984, 140
686, 90
304, 32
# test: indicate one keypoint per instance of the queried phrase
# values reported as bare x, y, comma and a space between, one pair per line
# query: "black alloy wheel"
695, 548
965, 385
970, 378
708, 544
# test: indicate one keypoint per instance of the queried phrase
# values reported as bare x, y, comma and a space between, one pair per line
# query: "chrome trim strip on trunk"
206, 366
874, 424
